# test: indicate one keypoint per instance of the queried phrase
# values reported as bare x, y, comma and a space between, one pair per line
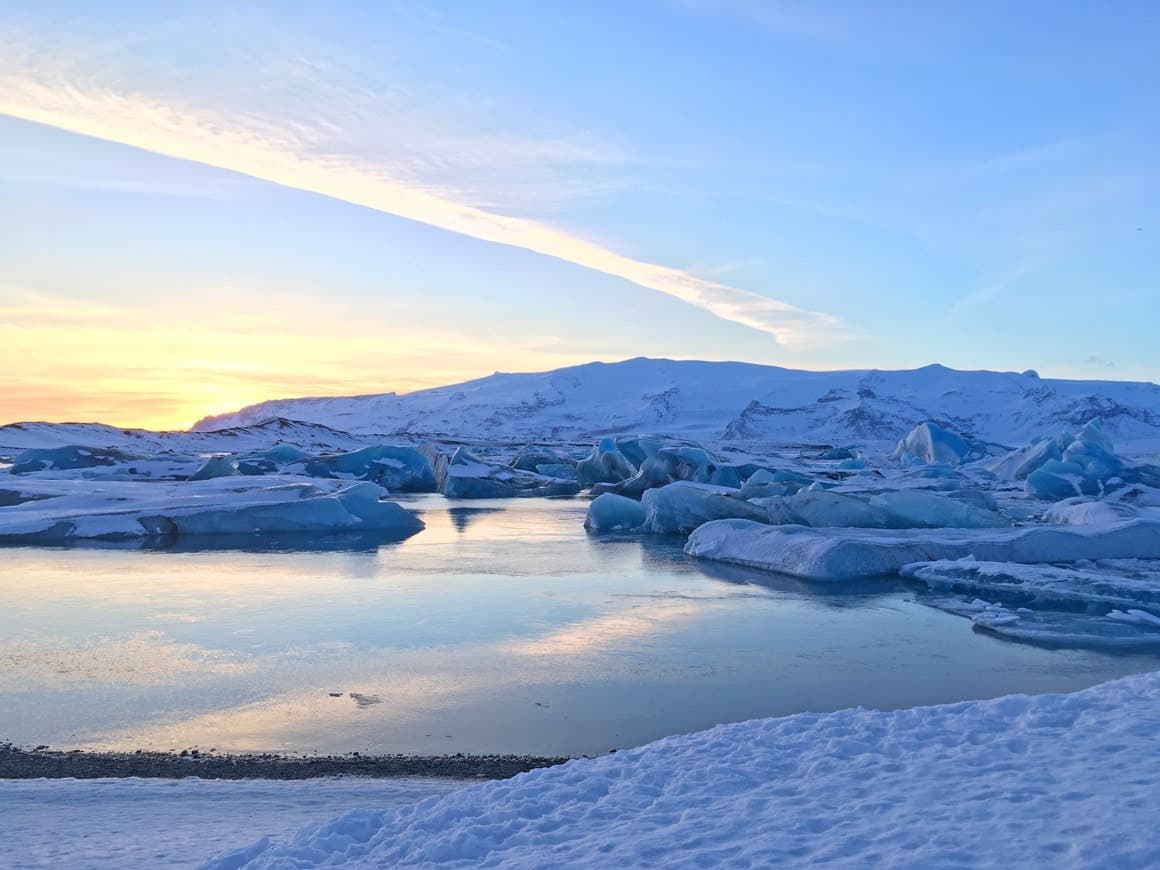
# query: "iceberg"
559, 471
679, 508
764, 484
614, 513
821, 508
468, 476
929, 443
835, 454
68, 458
915, 509
401, 469
1115, 631
1039, 584
850, 554
605, 464
225, 465
531, 456
67, 511
1074, 465
818, 507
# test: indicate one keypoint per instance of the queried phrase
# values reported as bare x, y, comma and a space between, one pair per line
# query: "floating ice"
930, 443
400, 469
914, 509
819, 508
605, 464
679, 508
1073, 465
225, 465
840, 453
1053, 628
847, 554
219, 506
532, 456
614, 513
900, 509
1040, 584
469, 476
66, 458
559, 471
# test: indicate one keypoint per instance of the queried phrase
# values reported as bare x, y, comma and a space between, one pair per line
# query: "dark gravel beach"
19, 763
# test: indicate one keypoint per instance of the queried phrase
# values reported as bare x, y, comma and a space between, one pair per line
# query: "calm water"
502, 627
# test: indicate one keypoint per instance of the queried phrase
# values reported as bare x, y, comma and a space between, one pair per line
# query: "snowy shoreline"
1043, 781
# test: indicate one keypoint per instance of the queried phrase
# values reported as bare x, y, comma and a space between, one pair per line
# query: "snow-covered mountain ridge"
722, 401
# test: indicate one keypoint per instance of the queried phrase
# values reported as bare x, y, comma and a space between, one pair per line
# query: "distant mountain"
730, 401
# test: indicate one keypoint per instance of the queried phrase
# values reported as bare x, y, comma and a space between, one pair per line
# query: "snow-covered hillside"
732, 401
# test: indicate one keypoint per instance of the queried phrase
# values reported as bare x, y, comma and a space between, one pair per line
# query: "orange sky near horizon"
161, 368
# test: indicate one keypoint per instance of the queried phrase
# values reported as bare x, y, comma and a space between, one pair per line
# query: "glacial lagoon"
501, 628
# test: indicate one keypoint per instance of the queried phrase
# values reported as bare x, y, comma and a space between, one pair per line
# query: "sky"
205, 205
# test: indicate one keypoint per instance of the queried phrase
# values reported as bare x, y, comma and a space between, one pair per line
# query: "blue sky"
205, 205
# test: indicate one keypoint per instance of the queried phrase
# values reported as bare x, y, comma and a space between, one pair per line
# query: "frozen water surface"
502, 627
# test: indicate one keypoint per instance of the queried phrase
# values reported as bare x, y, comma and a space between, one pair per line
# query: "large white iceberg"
848, 554
930, 443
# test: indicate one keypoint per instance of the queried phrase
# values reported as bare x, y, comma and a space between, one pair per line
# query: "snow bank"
78, 509
115, 824
1046, 781
847, 554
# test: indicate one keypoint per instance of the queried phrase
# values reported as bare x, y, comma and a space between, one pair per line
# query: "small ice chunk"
614, 513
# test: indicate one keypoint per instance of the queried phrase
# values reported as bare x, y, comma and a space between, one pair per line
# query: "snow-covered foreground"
1044, 781
154, 823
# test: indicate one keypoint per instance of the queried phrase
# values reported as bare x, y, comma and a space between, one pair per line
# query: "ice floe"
847, 554
59, 511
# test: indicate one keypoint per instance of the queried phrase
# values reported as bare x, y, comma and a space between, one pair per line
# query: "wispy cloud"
310, 155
